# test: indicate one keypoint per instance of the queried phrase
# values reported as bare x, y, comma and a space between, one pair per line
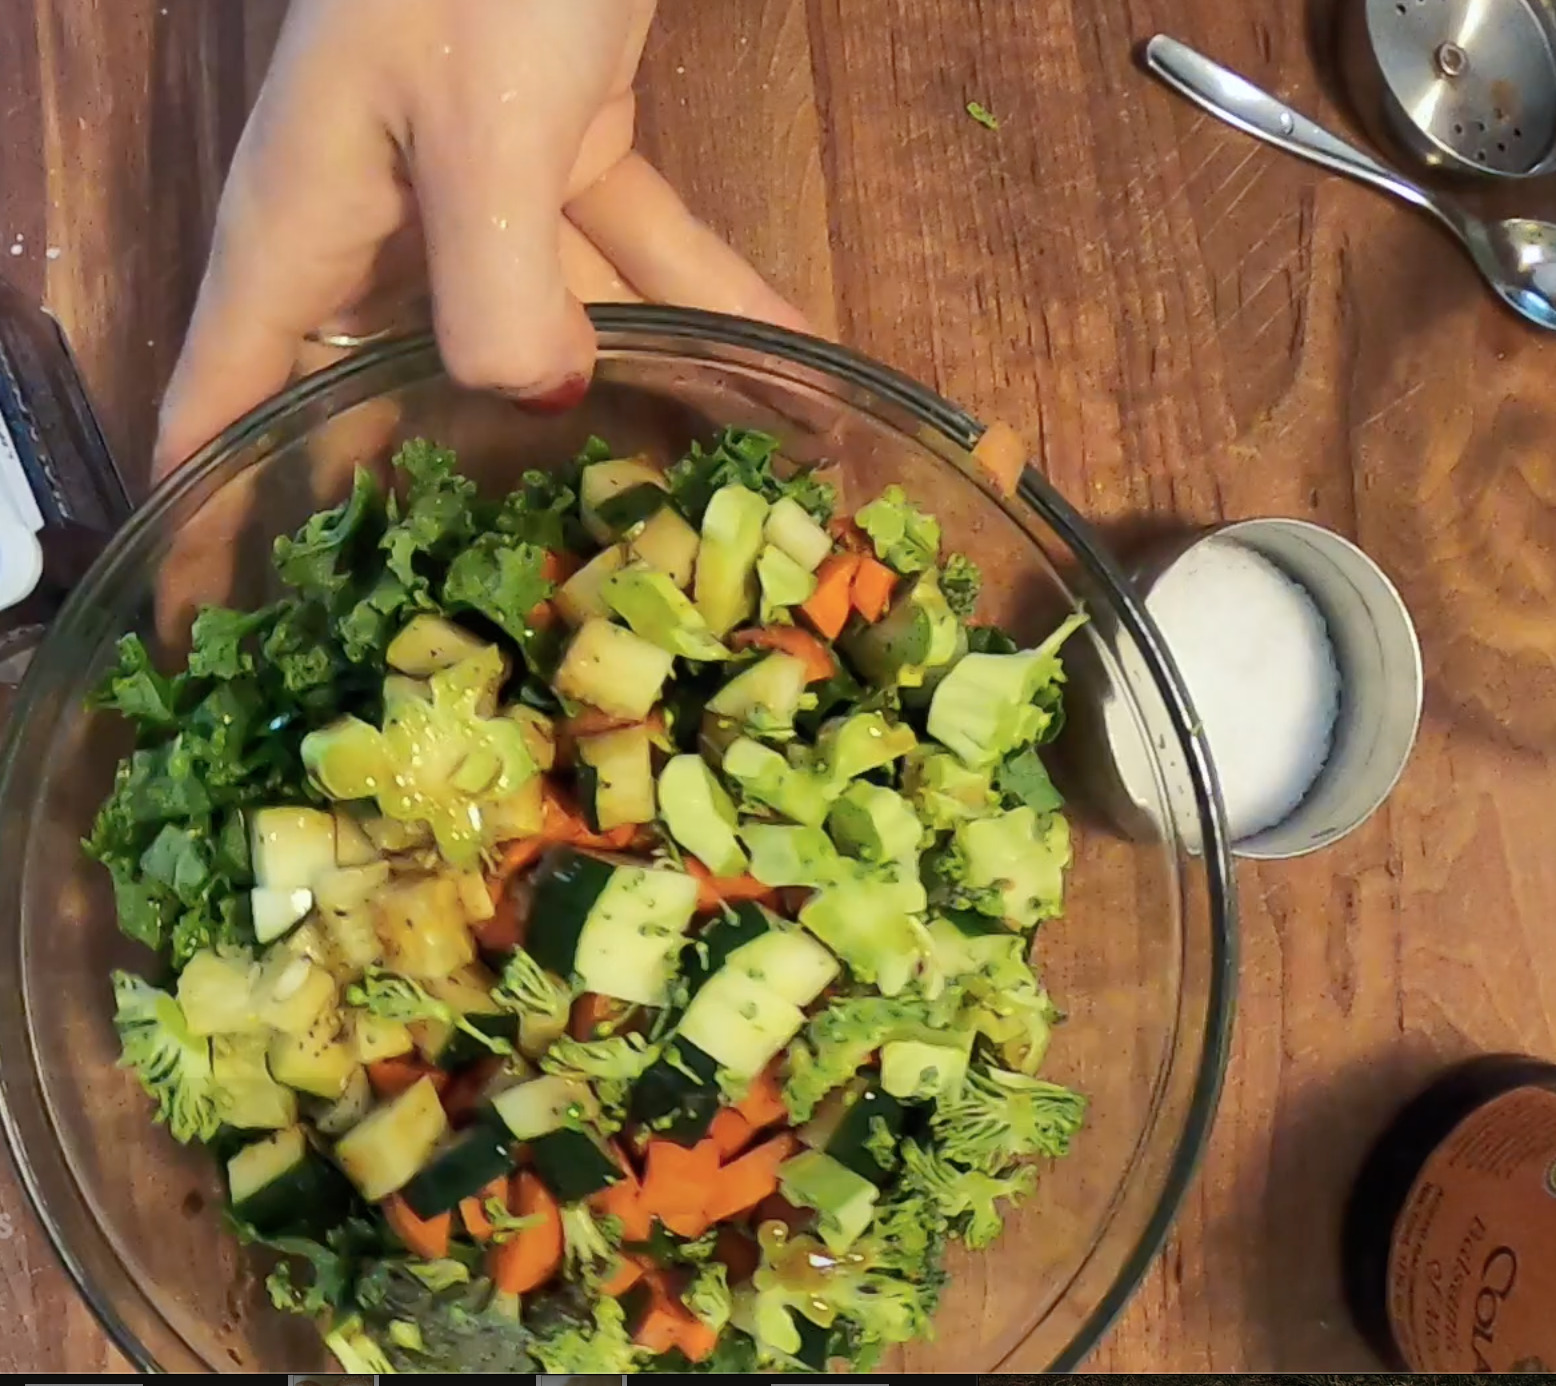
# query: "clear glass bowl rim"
621, 326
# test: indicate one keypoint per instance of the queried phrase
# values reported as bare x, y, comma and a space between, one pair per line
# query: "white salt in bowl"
1375, 649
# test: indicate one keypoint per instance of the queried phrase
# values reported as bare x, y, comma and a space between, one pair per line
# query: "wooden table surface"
1183, 323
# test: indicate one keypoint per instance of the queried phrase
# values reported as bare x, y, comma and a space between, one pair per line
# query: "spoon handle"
1237, 101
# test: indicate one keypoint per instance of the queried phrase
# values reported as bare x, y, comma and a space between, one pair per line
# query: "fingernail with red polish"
557, 400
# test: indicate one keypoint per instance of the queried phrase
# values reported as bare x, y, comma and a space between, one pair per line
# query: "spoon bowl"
1516, 257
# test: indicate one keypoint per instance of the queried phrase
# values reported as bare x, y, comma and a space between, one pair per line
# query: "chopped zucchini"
918, 1070
677, 1095
628, 945
764, 697
700, 815
353, 847
216, 993
422, 925
468, 991
344, 898
665, 541
248, 1097
430, 644
790, 528
280, 1185
463, 1166
384, 1151
845, 1200
573, 1164
519, 815
859, 1125
291, 992
392, 837
765, 776
746, 922
319, 1062
919, 633
554, 1117
602, 482
349, 1108
564, 889
539, 733
655, 608
612, 669
725, 584
580, 598
543, 1105
741, 1022
783, 582
788, 962
616, 777
290, 848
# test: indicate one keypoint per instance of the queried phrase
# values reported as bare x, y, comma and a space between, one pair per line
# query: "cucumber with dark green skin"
631, 507
712, 948
566, 885
466, 1165
673, 1103
572, 1164
463, 1049
309, 1197
850, 1142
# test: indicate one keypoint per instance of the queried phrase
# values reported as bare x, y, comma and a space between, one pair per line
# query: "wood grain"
1185, 325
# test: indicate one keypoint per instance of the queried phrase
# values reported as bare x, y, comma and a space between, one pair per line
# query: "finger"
640, 224
312, 194
589, 275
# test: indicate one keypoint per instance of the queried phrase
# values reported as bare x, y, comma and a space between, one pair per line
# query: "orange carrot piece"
745, 1182
872, 588
472, 1210
677, 1178
1001, 456
624, 1275
423, 1237
558, 567
390, 1077
659, 1330
847, 535
730, 1132
533, 1254
828, 606
516, 857
623, 1201
696, 1339
713, 891
791, 640
762, 1104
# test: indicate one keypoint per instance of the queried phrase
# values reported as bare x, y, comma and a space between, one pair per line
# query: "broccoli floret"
527, 989
356, 1350
1015, 1014
590, 1244
174, 1066
961, 582
1023, 856
904, 537
708, 1296
879, 1305
610, 1066
1001, 1116
837, 1042
944, 791
963, 1199
601, 1348
392, 997
984, 709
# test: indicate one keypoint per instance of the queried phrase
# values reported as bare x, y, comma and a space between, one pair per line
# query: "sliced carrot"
730, 1132
390, 1077
623, 1201
745, 1182
676, 1178
713, 891
517, 857
1001, 456
558, 567
872, 588
696, 1339
849, 536
423, 1237
534, 1253
472, 1210
828, 606
762, 1104
659, 1329
624, 1275
591, 1011
790, 640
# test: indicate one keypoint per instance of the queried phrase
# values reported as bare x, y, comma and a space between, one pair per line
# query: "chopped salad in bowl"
595, 925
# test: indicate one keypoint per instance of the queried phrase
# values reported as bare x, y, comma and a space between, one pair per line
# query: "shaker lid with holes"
1467, 86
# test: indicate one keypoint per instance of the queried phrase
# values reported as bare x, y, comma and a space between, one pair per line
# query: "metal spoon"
1517, 257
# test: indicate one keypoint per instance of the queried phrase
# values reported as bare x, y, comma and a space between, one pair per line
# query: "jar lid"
21, 557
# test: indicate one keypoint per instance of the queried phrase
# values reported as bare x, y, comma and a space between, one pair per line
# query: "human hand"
481, 147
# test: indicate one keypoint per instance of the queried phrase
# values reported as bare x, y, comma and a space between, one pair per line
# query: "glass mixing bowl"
1142, 960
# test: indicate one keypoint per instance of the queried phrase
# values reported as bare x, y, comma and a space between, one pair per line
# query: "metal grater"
1467, 86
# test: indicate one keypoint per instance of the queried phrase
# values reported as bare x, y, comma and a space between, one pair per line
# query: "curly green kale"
393, 997
962, 1199
1000, 1117
173, 1066
744, 456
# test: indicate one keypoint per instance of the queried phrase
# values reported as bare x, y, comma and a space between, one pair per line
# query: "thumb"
504, 316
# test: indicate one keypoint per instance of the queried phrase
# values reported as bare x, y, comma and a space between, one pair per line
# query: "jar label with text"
1472, 1262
